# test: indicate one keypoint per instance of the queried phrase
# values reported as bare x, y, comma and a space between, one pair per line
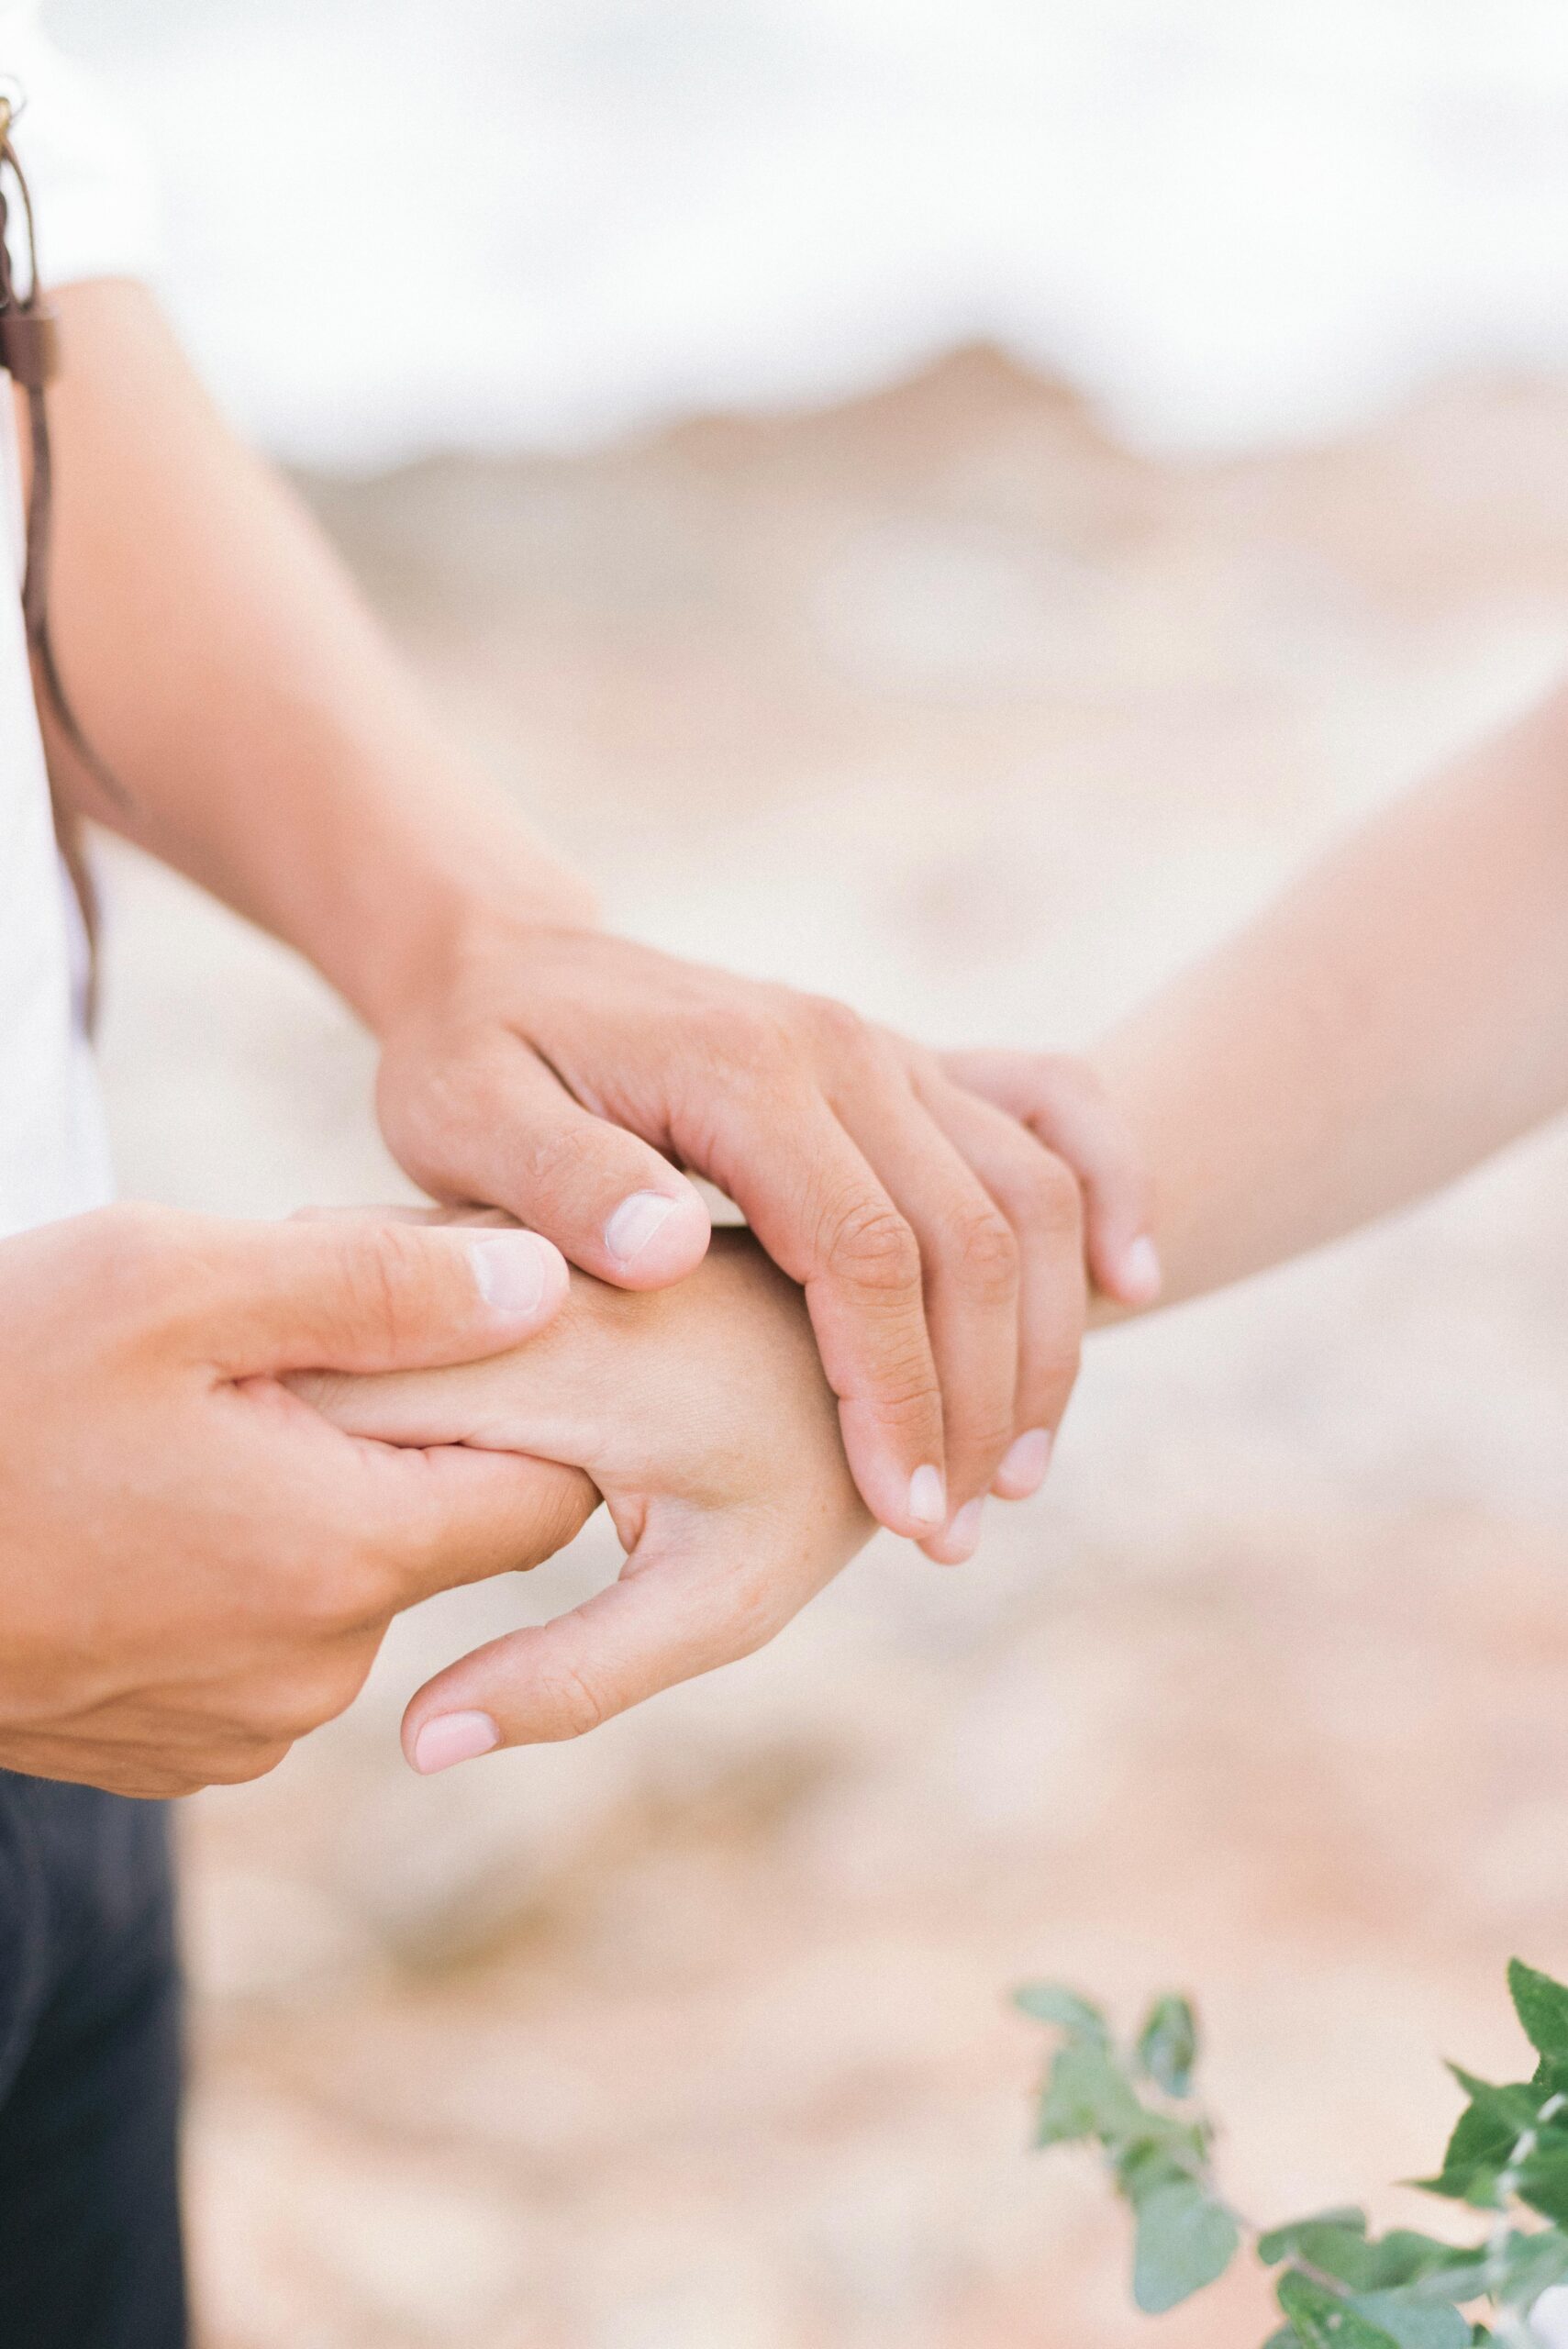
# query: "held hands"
703, 1416
938, 1234
195, 1568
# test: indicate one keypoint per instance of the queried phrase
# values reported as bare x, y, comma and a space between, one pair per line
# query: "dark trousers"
90, 2251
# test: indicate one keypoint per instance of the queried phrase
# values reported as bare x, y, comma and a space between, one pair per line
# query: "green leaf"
1406, 2257
1167, 2046
1512, 2107
1484, 2139
1342, 2253
1321, 2320
1087, 2095
1286, 2337
1542, 2181
1529, 2265
1053, 2002
1280, 2241
1163, 2152
1541, 2005
1185, 2240
1412, 2323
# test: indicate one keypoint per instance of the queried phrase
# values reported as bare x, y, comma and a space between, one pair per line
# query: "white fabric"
95, 221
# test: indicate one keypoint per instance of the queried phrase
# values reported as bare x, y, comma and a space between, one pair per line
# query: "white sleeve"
93, 189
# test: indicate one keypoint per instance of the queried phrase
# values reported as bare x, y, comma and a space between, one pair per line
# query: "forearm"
269, 741
1399, 1015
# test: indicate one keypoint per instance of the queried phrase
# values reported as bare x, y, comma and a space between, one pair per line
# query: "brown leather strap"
30, 353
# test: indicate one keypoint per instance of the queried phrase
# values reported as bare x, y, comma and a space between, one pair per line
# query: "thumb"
371, 1296
509, 1133
662, 1622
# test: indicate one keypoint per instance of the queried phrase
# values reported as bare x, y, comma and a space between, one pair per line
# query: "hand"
1064, 1106
194, 1567
703, 1416
938, 1244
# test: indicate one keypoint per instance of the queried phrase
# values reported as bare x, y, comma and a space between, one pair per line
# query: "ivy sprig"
1339, 2286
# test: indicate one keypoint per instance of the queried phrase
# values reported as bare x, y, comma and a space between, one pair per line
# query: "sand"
695, 2036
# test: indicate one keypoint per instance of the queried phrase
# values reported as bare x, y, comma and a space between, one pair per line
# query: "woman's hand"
1064, 1104
702, 1415
566, 1075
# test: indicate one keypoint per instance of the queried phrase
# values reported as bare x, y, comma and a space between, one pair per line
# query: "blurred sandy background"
694, 2036
1185, 467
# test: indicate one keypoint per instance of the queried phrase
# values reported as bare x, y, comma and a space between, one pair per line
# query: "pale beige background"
693, 2037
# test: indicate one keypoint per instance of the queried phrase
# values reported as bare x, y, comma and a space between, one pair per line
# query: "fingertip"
957, 1542
653, 1237
522, 1277
1132, 1274
1022, 1470
442, 1740
915, 1506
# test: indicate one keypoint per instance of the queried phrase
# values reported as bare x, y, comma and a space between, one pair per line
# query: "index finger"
452, 1514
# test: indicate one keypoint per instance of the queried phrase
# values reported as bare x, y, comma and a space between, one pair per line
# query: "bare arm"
271, 743
1400, 1014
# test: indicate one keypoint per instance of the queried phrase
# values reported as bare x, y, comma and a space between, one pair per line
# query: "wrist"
423, 902
455, 934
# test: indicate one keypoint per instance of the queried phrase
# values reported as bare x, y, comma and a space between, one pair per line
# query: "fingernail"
1022, 1470
454, 1737
1140, 1274
964, 1530
509, 1271
928, 1497
634, 1223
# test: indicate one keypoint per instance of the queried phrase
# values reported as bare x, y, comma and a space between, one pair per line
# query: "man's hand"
703, 1416
195, 1568
557, 1072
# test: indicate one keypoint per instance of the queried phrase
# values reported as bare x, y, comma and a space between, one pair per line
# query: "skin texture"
195, 1568
702, 1415
1400, 1014
272, 748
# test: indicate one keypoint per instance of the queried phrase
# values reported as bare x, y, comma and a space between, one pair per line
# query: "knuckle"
751, 1041
987, 1254
565, 1155
872, 1248
907, 1394
837, 1026
754, 1613
387, 1271
1055, 1201
572, 1701
983, 1434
